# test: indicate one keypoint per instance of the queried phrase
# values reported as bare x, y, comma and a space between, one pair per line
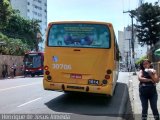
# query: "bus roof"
90, 22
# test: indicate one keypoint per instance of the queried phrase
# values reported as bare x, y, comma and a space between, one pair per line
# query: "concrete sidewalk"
134, 97
11, 77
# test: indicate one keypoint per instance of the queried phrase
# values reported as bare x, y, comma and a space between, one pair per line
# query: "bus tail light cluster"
46, 67
47, 72
107, 77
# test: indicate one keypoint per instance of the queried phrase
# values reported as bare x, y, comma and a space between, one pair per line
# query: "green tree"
148, 27
34, 30
17, 27
12, 46
5, 12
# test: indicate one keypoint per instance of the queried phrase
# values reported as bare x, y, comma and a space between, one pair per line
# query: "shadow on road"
86, 104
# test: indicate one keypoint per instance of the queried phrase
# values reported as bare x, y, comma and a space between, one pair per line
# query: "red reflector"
46, 67
87, 89
63, 87
107, 76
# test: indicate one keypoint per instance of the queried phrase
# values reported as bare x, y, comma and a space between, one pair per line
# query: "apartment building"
33, 9
124, 41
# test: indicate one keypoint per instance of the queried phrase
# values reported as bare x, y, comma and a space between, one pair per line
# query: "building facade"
33, 9
124, 41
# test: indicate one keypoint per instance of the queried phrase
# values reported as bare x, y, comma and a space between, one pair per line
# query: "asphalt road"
27, 96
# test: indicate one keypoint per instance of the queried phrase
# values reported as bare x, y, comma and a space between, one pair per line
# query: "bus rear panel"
80, 56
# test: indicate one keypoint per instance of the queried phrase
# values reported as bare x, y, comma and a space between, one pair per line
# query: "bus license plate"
94, 82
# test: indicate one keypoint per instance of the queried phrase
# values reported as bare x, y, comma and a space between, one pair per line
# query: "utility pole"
132, 36
127, 62
132, 39
129, 53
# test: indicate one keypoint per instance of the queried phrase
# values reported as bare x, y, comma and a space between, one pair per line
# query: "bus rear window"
79, 35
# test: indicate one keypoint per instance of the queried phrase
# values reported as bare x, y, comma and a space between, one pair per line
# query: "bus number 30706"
62, 66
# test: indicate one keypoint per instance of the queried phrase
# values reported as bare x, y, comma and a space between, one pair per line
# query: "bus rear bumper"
106, 90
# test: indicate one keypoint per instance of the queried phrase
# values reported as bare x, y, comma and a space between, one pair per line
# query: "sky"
94, 10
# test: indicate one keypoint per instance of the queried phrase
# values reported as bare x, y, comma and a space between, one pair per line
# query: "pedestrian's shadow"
86, 104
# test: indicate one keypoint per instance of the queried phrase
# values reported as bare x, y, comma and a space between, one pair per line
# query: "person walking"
4, 70
147, 88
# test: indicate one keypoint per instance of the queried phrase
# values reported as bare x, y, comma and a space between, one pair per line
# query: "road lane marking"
19, 86
29, 102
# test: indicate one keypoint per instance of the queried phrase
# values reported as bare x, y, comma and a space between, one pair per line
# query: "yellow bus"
81, 56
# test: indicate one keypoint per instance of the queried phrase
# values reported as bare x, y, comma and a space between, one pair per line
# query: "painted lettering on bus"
62, 66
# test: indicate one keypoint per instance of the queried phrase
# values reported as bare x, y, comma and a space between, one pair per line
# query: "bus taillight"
49, 77
46, 67
104, 81
110, 25
109, 71
107, 76
47, 72
50, 24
